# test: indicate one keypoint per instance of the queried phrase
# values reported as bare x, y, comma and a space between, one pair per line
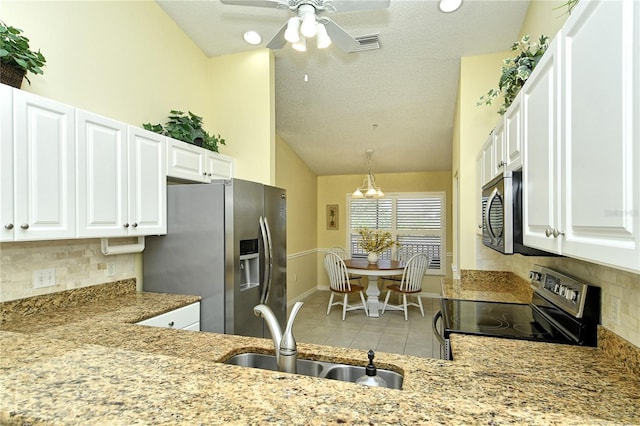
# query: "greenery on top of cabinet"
187, 128
516, 71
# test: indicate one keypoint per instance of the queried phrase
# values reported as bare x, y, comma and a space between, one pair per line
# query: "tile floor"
387, 333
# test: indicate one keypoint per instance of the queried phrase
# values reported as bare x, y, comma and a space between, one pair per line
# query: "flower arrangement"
375, 240
516, 71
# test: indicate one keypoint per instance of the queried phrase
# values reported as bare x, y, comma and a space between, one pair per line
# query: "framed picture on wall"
332, 216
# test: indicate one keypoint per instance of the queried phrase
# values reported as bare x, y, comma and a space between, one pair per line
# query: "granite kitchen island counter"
73, 366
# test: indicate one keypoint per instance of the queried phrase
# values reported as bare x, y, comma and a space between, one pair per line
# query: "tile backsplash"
620, 289
77, 263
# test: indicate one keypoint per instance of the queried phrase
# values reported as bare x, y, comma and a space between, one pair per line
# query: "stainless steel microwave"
502, 218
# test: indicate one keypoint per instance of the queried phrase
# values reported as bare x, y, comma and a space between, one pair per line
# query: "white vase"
372, 257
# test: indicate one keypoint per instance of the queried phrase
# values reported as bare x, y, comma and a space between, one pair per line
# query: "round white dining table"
372, 271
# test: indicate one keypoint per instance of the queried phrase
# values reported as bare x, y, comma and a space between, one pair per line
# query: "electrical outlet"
44, 278
615, 310
111, 269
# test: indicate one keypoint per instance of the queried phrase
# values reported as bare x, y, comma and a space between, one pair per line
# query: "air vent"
368, 42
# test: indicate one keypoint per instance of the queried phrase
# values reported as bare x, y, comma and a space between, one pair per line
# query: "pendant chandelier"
368, 188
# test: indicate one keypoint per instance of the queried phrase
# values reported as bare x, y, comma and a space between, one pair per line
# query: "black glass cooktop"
496, 319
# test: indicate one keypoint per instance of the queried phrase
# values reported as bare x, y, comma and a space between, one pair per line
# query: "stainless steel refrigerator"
226, 242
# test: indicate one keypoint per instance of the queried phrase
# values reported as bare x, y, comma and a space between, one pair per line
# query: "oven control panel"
563, 290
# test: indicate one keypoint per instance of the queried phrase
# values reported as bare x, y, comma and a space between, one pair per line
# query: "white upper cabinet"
7, 224
512, 140
122, 183
541, 180
102, 176
43, 169
502, 151
601, 143
147, 182
192, 163
581, 110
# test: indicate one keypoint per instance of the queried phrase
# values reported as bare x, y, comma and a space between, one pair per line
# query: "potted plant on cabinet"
16, 59
516, 71
187, 128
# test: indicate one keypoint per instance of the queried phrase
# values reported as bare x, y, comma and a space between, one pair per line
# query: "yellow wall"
243, 111
477, 75
293, 175
334, 190
125, 60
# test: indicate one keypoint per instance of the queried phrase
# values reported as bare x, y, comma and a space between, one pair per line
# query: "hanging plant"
516, 71
187, 128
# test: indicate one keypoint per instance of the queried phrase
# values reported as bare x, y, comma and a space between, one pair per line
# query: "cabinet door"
44, 168
541, 160
488, 159
186, 161
219, 166
7, 223
102, 176
513, 135
498, 150
147, 183
601, 134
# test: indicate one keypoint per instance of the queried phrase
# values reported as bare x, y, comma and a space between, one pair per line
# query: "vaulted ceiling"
398, 100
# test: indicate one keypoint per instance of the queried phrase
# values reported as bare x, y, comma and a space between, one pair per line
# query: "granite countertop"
90, 364
488, 286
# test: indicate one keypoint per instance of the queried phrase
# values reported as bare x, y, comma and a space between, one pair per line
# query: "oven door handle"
434, 324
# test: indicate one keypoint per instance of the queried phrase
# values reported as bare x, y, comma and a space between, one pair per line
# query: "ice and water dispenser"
249, 264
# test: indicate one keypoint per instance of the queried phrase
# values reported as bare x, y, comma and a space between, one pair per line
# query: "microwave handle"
487, 223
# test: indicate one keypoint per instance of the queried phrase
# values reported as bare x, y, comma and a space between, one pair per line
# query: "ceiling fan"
309, 21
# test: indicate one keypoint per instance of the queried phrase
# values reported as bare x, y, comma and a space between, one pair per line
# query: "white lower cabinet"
185, 318
582, 142
37, 153
195, 164
122, 185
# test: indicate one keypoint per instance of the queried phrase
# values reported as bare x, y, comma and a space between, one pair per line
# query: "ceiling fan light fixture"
322, 39
292, 33
448, 6
301, 45
308, 27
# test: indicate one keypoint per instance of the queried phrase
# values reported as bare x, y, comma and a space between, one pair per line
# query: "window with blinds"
414, 220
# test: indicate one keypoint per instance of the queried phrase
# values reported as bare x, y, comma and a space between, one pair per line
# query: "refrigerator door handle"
267, 261
270, 245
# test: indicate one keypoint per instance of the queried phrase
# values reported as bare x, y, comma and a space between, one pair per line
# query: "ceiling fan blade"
353, 5
278, 41
274, 4
340, 37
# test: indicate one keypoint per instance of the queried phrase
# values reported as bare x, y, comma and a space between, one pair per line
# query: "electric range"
563, 310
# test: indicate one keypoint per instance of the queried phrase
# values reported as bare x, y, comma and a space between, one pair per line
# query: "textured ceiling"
407, 89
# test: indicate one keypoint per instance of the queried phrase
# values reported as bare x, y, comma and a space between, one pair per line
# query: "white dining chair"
340, 284
344, 256
410, 285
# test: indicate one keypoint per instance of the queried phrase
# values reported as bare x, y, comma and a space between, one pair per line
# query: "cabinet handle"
209, 174
555, 232
8, 226
204, 173
135, 225
171, 324
24, 226
126, 225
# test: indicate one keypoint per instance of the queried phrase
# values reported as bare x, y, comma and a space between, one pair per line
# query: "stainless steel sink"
322, 369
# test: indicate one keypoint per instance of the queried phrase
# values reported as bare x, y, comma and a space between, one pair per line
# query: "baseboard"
302, 296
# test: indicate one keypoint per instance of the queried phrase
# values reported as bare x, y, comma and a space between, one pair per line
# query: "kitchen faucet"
284, 344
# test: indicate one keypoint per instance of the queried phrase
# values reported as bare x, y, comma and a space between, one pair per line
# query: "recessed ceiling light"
448, 6
252, 37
